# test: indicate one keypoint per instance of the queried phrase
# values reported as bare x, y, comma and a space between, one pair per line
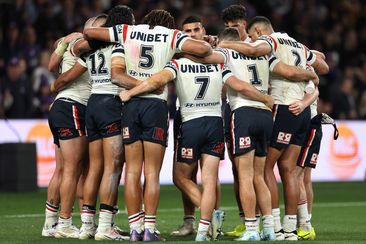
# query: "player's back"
78, 90
198, 88
99, 69
253, 70
291, 52
148, 50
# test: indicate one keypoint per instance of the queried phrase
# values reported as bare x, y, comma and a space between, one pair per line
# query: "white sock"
309, 216
303, 216
136, 222
289, 223
105, 219
258, 220
88, 219
268, 221
64, 222
189, 219
203, 226
251, 224
276, 219
150, 222
51, 213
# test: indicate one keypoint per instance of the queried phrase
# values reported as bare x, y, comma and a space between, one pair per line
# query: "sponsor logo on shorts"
244, 142
314, 158
187, 152
112, 128
284, 138
158, 134
65, 132
125, 133
219, 148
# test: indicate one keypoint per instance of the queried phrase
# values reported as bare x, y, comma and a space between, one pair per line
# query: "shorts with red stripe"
227, 132
289, 128
309, 152
251, 129
66, 120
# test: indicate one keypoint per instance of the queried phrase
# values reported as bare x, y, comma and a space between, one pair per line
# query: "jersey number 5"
146, 57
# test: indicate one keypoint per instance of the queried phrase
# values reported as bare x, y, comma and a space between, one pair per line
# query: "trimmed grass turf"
339, 214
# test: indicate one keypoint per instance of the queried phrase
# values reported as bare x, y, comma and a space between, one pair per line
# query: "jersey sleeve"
272, 62
118, 33
226, 73
225, 53
178, 39
270, 40
118, 51
173, 67
82, 61
310, 56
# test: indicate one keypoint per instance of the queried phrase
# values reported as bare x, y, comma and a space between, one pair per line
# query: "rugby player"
289, 130
148, 47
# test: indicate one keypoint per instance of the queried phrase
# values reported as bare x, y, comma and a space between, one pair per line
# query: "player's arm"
297, 107
255, 49
119, 76
216, 57
196, 47
80, 47
151, 84
69, 76
320, 66
97, 33
292, 73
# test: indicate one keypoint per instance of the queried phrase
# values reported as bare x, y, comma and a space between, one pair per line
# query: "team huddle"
250, 88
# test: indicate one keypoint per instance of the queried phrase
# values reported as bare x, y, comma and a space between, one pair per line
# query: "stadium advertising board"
341, 160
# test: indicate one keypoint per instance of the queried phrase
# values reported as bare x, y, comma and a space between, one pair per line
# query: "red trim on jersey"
173, 39
233, 132
221, 66
307, 147
175, 63
275, 43
306, 52
72, 51
124, 32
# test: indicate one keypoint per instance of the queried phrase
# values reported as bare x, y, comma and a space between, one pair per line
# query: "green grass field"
339, 214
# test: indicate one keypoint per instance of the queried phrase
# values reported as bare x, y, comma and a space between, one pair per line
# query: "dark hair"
120, 14
229, 34
258, 19
159, 17
191, 19
234, 12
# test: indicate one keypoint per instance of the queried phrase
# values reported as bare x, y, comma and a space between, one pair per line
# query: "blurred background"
29, 28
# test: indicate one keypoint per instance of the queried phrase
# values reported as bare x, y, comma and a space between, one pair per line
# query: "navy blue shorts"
66, 120
251, 130
103, 116
227, 130
203, 135
309, 152
289, 128
145, 119
177, 124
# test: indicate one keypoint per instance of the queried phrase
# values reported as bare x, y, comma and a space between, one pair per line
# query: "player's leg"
73, 151
90, 191
84, 168
309, 189
153, 160
209, 173
53, 197
287, 169
112, 154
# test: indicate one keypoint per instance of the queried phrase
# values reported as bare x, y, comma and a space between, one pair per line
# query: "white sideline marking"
228, 208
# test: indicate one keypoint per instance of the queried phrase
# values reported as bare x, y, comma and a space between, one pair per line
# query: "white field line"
228, 208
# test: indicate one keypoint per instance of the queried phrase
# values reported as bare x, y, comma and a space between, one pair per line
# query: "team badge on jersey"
284, 138
187, 152
125, 133
244, 142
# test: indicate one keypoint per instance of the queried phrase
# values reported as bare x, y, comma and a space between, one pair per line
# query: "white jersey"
147, 50
291, 52
314, 108
198, 87
98, 64
78, 90
253, 70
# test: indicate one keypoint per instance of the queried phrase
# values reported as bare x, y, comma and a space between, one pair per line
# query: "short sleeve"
173, 67
272, 62
118, 51
310, 57
118, 33
224, 52
226, 73
82, 61
178, 39
270, 40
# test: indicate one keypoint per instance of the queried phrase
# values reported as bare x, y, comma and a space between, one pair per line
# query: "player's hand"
124, 96
297, 107
270, 101
70, 37
319, 54
212, 40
